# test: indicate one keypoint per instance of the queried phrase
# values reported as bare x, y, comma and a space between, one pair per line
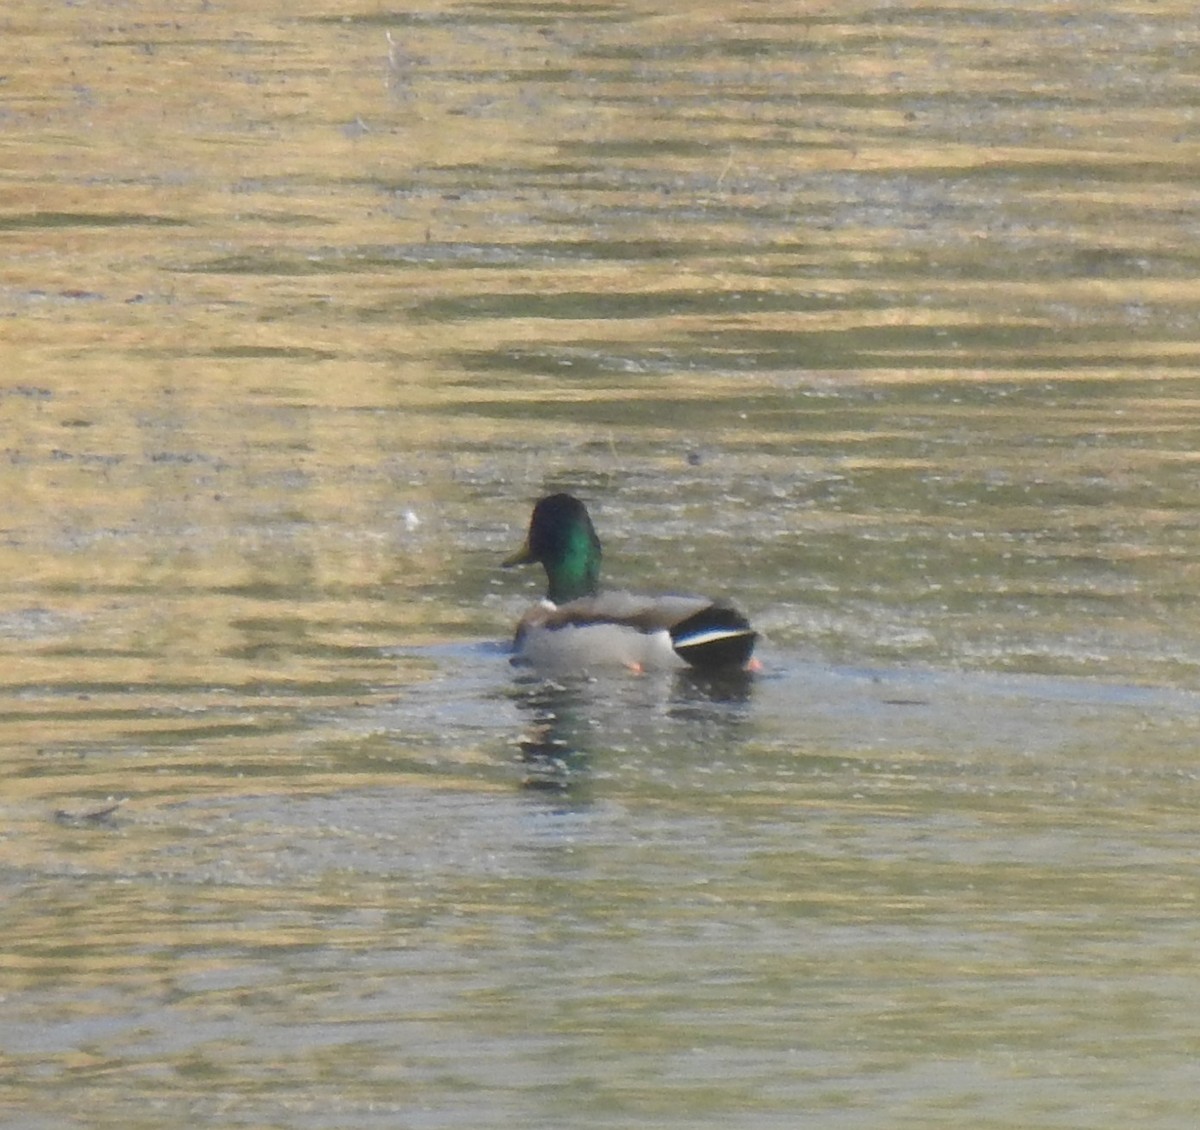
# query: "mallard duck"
577, 626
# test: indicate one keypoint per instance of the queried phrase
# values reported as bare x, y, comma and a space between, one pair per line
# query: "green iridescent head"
562, 538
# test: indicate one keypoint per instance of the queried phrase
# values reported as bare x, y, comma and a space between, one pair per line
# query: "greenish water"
879, 318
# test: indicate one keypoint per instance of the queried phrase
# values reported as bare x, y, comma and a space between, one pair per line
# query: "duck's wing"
641, 630
641, 613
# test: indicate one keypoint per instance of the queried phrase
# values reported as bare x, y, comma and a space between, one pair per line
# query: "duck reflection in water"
575, 725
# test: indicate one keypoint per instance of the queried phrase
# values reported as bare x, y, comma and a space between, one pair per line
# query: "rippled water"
880, 318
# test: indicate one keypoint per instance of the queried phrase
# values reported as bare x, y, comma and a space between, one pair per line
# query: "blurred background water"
880, 318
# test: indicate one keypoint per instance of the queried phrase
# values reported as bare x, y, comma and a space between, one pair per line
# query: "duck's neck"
576, 571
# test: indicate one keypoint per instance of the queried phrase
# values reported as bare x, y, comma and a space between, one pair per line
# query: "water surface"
881, 318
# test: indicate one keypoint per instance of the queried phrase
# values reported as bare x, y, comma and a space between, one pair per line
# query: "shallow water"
881, 319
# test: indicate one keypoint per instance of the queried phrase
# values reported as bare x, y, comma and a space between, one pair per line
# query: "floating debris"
89, 816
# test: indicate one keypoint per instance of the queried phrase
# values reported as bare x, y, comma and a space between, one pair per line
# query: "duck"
578, 627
